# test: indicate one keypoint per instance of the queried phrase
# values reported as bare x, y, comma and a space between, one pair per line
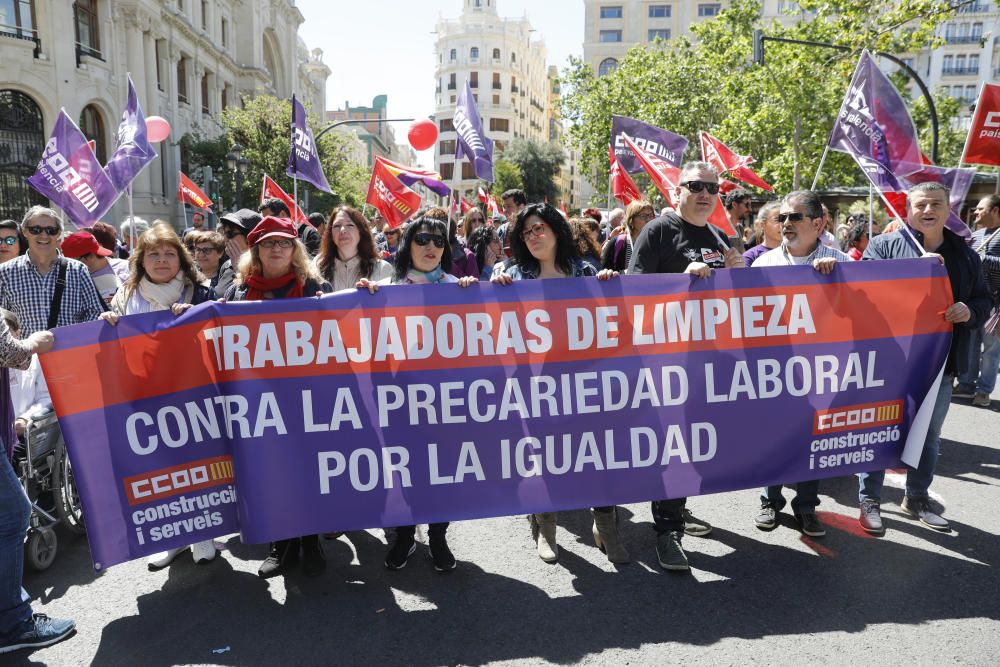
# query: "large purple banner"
659, 142
433, 403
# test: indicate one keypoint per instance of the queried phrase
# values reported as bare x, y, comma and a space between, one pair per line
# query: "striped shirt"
991, 258
29, 294
780, 257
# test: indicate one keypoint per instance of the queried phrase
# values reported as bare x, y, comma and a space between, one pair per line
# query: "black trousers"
433, 529
668, 515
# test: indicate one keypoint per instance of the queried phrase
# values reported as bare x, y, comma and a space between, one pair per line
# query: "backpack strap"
57, 297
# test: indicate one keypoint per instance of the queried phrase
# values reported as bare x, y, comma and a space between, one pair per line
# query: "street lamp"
238, 166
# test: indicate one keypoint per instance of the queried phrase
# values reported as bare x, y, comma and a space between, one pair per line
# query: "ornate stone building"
189, 60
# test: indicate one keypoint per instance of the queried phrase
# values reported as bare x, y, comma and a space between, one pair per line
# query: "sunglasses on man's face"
36, 231
698, 186
424, 238
791, 217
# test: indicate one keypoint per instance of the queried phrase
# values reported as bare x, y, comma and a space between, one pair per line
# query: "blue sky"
387, 46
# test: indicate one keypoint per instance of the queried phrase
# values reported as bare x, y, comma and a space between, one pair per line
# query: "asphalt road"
913, 597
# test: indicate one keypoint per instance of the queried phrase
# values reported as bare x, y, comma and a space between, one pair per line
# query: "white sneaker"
203, 552
164, 558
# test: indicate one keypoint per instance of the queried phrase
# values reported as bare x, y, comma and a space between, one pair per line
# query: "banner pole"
822, 161
611, 193
131, 219
871, 207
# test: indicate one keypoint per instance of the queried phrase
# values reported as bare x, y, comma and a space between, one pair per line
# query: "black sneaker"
963, 391
444, 560
810, 525
44, 631
283, 556
767, 517
401, 549
669, 552
694, 526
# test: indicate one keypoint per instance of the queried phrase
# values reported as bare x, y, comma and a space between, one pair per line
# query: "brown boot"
606, 536
543, 531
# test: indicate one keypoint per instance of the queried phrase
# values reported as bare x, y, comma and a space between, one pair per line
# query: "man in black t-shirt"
683, 242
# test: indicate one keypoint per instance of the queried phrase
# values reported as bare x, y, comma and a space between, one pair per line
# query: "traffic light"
758, 46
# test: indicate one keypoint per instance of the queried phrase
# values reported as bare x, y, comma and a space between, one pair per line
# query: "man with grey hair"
927, 210
42, 287
801, 218
128, 224
683, 242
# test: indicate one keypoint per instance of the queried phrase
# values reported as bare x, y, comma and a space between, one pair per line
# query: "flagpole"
871, 207
968, 136
131, 219
611, 194
822, 161
185, 210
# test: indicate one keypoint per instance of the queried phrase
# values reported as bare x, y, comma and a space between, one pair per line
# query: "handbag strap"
57, 297
986, 241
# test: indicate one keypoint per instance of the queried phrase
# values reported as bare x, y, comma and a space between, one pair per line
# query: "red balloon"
157, 129
422, 134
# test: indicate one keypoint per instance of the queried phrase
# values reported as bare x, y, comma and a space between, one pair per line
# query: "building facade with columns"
189, 60
504, 61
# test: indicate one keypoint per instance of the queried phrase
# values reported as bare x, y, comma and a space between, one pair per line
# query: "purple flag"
132, 149
69, 174
303, 160
874, 122
659, 142
472, 141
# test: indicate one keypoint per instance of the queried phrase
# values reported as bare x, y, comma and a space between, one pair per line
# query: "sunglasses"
36, 231
698, 186
9, 240
791, 217
424, 238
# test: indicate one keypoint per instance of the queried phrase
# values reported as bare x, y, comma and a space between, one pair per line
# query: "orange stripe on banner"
181, 358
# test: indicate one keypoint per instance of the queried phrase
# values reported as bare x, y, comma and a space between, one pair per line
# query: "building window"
496, 100
473, 79
659, 33
496, 54
18, 17
496, 81
182, 85
204, 95
513, 57
513, 84
474, 53
446, 147
611, 36
499, 125
158, 47
659, 11
607, 66
453, 55
970, 93
451, 81
88, 40
447, 170
92, 127
21, 142
204, 14
611, 12
225, 98
709, 9
446, 125
468, 170
225, 33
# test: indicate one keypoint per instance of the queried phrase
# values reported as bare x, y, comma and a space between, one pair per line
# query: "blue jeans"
806, 497
15, 510
918, 480
984, 361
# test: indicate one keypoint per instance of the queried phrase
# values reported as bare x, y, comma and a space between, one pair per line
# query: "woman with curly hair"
347, 251
585, 234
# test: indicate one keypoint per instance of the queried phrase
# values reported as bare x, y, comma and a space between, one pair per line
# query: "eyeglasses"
232, 233
51, 231
345, 229
284, 244
9, 240
392, 232
791, 217
424, 238
204, 251
698, 186
535, 230
645, 215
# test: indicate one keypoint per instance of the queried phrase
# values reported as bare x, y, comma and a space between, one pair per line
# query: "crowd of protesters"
50, 278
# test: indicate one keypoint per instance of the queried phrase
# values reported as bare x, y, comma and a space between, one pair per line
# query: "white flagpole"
131, 219
822, 161
871, 207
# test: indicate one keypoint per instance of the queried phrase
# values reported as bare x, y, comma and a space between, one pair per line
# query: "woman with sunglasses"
347, 251
11, 243
542, 246
424, 258
276, 266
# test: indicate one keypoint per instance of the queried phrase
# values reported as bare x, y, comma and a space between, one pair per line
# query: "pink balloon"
157, 128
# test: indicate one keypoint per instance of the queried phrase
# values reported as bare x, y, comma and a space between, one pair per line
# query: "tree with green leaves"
261, 127
507, 175
539, 165
781, 112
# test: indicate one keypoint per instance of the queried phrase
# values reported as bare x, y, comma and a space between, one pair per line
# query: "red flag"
483, 195
493, 207
466, 205
394, 201
271, 190
722, 158
983, 143
622, 186
726, 186
720, 219
189, 193
665, 176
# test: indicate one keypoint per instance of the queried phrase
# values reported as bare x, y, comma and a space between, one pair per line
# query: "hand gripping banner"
435, 403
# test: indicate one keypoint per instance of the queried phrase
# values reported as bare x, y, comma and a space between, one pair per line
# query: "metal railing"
959, 71
22, 35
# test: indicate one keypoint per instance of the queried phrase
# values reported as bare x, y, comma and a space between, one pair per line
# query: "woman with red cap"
277, 266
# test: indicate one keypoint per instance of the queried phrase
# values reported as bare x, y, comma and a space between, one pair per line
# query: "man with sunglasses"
28, 284
683, 242
802, 225
927, 210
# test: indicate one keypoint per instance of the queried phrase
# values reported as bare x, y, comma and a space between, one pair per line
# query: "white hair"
40, 212
141, 225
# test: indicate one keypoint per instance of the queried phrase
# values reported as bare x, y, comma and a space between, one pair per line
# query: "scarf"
259, 285
160, 296
420, 277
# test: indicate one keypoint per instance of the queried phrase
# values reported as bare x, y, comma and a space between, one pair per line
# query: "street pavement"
914, 596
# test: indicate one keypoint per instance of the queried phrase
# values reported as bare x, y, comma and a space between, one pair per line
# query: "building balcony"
24, 35
975, 8
962, 39
960, 71
497, 86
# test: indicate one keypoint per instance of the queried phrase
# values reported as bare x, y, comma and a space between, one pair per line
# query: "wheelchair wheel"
40, 548
67, 499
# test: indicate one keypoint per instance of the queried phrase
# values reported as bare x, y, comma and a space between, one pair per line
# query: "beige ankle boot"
606, 536
543, 531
